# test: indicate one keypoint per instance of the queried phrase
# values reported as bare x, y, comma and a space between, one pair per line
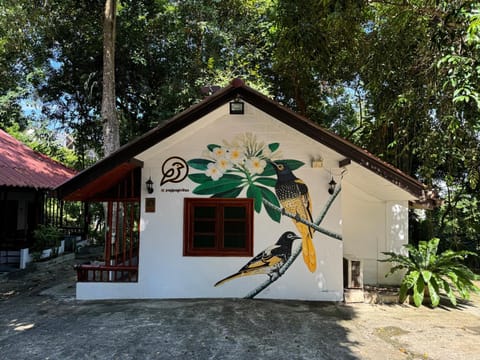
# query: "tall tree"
111, 128
399, 78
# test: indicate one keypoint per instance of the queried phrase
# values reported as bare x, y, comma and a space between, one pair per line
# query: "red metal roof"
21, 166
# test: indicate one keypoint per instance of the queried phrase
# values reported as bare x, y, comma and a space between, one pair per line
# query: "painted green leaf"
267, 181
273, 146
271, 197
212, 147
225, 183
233, 193
199, 164
294, 164
199, 178
255, 193
269, 170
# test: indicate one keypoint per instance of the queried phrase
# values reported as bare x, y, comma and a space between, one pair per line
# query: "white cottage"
195, 199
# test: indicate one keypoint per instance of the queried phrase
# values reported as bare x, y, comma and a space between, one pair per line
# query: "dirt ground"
40, 319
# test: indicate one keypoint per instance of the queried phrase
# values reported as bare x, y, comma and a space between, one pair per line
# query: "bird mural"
293, 195
269, 260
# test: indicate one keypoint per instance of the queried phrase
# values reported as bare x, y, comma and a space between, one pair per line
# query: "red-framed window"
218, 227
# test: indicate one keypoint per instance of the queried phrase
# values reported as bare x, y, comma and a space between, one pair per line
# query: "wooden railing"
106, 273
121, 246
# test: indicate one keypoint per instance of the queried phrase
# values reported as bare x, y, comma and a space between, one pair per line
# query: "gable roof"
123, 160
23, 167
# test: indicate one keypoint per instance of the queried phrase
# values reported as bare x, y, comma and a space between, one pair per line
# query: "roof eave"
238, 89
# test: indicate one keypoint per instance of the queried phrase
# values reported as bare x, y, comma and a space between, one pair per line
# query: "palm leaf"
418, 291
433, 291
448, 290
403, 292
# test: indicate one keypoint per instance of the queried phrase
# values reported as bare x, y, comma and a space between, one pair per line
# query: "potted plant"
46, 240
428, 273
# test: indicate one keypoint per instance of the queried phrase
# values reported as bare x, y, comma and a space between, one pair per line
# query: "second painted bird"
269, 260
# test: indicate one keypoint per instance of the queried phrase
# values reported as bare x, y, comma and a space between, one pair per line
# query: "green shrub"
46, 237
431, 274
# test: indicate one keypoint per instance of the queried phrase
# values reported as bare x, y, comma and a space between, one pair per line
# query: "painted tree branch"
276, 275
306, 222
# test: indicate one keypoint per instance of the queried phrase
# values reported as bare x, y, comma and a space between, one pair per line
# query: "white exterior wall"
163, 270
368, 224
372, 226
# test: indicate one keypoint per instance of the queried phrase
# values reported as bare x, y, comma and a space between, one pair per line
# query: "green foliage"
165, 53
317, 44
39, 138
399, 78
430, 273
46, 237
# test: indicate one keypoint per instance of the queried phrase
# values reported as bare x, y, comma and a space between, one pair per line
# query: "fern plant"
430, 273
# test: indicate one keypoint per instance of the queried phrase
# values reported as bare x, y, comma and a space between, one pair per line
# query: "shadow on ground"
40, 319
176, 329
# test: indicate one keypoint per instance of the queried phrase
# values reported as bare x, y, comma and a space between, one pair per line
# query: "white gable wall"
165, 273
180, 276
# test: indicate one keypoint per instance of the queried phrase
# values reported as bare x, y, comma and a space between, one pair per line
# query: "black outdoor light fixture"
237, 107
149, 184
331, 186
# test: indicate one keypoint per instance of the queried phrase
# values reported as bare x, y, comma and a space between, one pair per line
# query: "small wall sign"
149, 205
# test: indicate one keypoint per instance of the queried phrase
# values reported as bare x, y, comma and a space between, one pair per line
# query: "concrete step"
371, 295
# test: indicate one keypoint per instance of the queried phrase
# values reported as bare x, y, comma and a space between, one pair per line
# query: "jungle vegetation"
400, 78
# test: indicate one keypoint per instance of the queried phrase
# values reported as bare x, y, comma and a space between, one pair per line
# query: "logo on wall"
174, 170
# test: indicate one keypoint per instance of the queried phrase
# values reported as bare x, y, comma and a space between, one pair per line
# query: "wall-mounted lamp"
331, 186
237, 107
149, 185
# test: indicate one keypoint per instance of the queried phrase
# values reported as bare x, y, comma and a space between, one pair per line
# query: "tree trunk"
111, 129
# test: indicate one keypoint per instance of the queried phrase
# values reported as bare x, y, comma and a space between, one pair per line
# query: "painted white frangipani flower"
213, 171
219, 153
255, 165
236, 155
224, 164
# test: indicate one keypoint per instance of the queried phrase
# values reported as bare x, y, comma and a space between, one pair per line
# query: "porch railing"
106, 273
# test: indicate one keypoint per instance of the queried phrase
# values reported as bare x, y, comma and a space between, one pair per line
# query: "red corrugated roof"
21, 166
